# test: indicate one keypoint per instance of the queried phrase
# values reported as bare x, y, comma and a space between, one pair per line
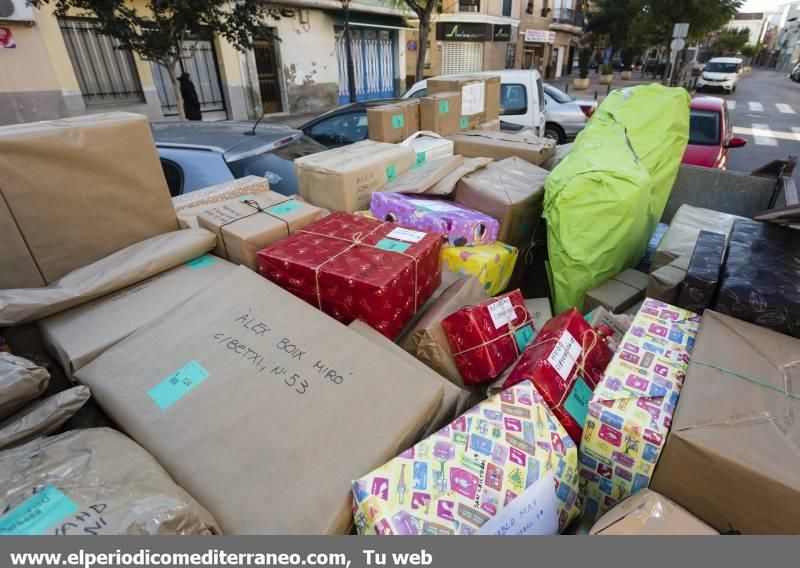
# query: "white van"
522, 100
721, 73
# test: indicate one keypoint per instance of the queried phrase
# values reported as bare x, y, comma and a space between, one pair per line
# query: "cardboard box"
344, 179
247, 224
455, 401
393, 122
492, 99
487, 338
473, 94
447, 185
631, 409
732, 458
565, 362
93, 482
77, 336
502, 145
41, 418
699, 288
649, 514
759, 281
470, 472
123, 268
684, 229
493, 125
427, 340
665, 283
619, 293
440, 113
429, 146
459, 225
601, 316
190, 204
21, 381
491, 264
265, 380
512, 191
19, 267
424, 176
102, 167
351, 267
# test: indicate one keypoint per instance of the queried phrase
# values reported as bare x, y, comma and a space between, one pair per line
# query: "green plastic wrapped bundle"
603, 201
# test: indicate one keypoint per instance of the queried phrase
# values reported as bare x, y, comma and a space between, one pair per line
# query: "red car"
710, 134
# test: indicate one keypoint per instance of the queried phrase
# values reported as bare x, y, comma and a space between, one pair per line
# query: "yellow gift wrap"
457, 479
631, 409
492, 264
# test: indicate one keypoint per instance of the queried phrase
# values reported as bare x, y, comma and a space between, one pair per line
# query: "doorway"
267, 70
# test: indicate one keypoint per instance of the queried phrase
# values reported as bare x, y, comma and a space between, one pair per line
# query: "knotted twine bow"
511, 330
258, 209
358, 240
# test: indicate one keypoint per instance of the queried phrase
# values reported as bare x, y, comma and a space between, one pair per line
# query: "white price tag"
472, 98
406, 235
532, 512
565, 354
502, 312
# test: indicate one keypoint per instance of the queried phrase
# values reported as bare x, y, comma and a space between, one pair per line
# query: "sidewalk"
597, 91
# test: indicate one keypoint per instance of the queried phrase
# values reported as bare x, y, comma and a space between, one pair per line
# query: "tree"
730, 42
584, 56
751, 50
612, 19
158, 33
423, 9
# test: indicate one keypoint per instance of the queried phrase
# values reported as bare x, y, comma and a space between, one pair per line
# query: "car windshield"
276, 165
717, 67
558, 96
704, 127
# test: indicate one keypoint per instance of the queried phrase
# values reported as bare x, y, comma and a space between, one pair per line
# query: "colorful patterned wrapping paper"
455, 480
631, 409
461, 224
565, 363
487, 338
357, 268
492, 264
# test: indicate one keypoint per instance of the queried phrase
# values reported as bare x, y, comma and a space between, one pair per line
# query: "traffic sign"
680, 30
677, 44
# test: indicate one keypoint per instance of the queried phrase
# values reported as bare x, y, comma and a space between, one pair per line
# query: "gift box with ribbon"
461, 225
247, 224
505, 467
353, 267
565, 363
631, 410
488, 337
491, 264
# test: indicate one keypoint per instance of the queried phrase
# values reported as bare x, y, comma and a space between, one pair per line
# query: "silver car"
565, 115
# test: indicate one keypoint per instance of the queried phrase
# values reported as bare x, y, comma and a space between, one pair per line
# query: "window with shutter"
461, 57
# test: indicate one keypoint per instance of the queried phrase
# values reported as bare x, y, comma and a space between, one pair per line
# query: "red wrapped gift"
486, 338
565, 363
352, 267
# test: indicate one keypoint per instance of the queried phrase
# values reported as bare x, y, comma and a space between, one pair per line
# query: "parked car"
721, 73
343, 125
195, 155
653, 65
522, 99
565, 115
710, 134
795, 74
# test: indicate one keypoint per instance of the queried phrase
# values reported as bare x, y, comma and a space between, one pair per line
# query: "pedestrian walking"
191, 104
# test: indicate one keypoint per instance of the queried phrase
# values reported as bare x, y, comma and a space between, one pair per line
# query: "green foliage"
612, 20
751, 50
730, 42
703, 17
607, 69
584, 57
628, 55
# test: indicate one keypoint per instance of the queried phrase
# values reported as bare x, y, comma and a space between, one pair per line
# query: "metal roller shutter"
461, 57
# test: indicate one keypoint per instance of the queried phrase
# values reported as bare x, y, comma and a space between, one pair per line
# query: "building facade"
786, 48
298, 67
754, 22
550, 31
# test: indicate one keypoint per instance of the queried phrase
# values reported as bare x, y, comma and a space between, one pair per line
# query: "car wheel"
555, 132
734, 89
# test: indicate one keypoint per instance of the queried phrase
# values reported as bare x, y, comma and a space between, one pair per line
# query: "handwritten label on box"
565, 354
501, 312
37, 513
532, 512
406, 235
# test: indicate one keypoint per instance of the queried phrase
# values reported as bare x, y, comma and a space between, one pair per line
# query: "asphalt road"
765, 111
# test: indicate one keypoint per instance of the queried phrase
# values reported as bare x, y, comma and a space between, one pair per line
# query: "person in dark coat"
191, 104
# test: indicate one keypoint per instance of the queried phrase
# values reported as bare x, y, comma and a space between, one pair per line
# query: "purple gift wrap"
462, 226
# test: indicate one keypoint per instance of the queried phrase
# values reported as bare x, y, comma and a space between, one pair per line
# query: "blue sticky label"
398, 121
391, 172
38, 513
577, 403
444, 107
464, 122
420, 158
200, 262
284, 208
392, 245
176, 386
523, 336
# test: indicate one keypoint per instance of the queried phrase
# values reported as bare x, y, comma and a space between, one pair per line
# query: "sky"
760, 5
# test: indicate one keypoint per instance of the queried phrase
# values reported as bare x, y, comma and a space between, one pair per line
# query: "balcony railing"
569, 16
